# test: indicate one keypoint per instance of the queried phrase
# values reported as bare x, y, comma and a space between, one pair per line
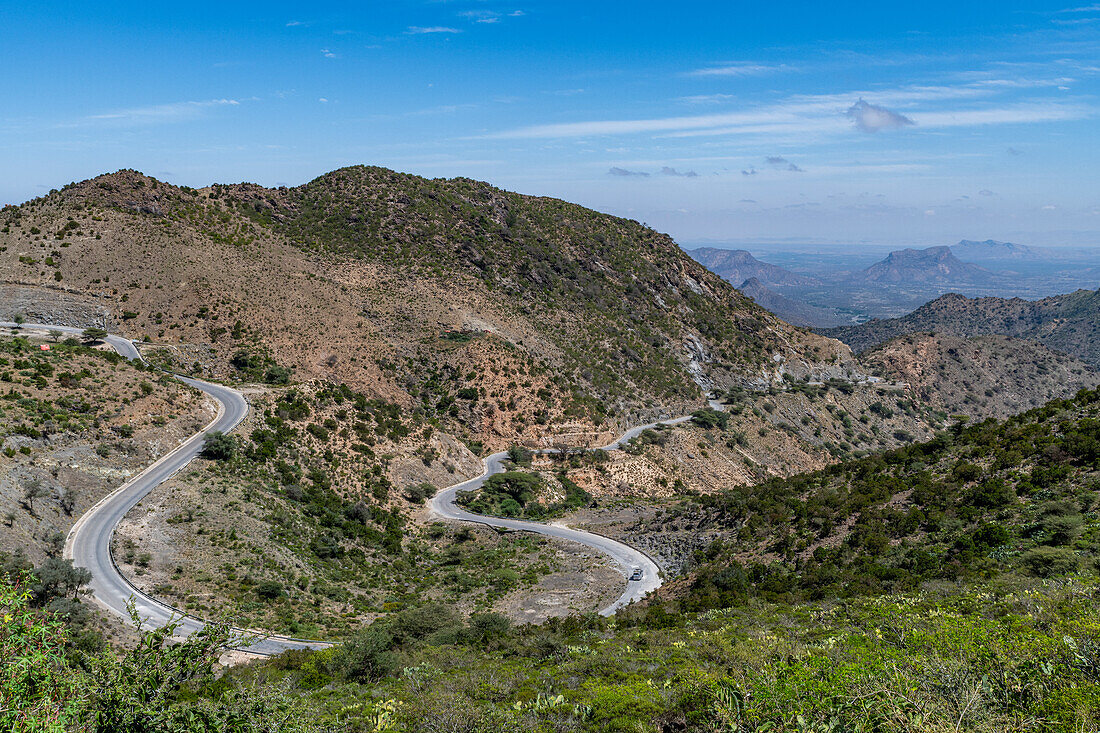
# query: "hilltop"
930, 265
1067, 323
738, 265
992, 250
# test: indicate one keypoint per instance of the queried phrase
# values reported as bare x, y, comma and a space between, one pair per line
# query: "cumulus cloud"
986, 192
873, 118
416, 30
667, 171
1014, 151
750, 172
616, 171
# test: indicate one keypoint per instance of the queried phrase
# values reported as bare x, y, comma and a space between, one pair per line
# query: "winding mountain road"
89, 542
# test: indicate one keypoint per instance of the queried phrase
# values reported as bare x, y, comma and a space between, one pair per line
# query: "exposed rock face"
55, 306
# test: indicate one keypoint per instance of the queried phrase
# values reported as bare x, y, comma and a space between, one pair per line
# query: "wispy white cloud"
832, 114
159, 113
416, 30
294, 23
739, 69
706, 98
481, 16
489, 17
327, 53
1026, 112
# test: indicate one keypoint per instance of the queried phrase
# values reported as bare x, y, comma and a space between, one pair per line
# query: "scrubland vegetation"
962, 595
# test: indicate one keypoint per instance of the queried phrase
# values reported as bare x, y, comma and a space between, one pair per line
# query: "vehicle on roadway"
637, 574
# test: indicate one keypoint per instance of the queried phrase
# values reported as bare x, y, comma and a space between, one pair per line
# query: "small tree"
219, 446
269, 590
58, 578
519, 455
91, 335
18, 319
419, 492
55, 543
33, 489
55, 336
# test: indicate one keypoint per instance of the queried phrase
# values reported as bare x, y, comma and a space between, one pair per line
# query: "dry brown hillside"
503, 316
983, 376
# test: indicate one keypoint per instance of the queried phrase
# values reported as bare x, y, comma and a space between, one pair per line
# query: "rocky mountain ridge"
1068, 323
738, 265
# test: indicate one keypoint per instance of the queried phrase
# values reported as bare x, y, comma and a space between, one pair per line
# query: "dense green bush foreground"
995, 658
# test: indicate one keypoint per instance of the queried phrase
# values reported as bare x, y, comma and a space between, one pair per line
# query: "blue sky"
730, 122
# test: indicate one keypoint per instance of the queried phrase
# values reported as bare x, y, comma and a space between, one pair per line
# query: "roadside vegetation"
73, 421
961, 596
304, 524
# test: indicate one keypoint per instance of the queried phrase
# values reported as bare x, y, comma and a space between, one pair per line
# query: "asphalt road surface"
629, 560
89, 542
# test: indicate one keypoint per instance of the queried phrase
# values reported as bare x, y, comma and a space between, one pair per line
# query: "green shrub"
1046, 562
219, 446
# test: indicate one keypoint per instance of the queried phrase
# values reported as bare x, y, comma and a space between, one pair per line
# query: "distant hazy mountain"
789, 309
1068, 323
738, 265
990, 249
931, 265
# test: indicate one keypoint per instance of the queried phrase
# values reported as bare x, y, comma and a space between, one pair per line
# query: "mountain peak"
739, 265
932, 264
